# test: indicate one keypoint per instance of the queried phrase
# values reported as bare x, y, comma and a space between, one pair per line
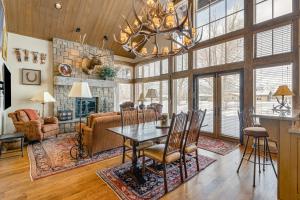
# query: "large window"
229, 52
152, 69
269, 9
181, 62
125, 93
274, 41
162, 88
266, 82
219, 17
124, 71
180, 96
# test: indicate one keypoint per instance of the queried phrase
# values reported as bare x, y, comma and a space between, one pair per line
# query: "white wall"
22, 93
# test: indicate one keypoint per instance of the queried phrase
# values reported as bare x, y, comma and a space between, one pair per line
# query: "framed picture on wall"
31, 77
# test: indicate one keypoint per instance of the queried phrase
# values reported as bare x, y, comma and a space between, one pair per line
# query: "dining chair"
171, 150
192, 136
131, 116
149, 115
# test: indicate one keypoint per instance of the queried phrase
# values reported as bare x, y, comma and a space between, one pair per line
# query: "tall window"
229, 52
124, 71
180, 95
269, 9
266, 82
162, 88
219, 17
274, 41
125, 93
152, 69
181, 62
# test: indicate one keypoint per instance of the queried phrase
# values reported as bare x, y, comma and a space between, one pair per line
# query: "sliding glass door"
220, 95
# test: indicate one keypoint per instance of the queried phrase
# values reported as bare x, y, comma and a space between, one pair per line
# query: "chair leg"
243, 155
255, 146
165, 178
123, 158
268, 151
258, 155
143, 165
184, 163
180, 167
197, 160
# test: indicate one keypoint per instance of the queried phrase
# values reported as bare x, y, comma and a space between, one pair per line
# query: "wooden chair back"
193, 132
149, 115
129, 116
176, 133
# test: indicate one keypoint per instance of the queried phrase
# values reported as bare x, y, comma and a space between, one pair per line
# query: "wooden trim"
219, 68
273, 60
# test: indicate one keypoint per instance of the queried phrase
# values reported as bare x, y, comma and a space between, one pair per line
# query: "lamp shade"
141, 97
80, 89
151, 93
283, 90
43, 97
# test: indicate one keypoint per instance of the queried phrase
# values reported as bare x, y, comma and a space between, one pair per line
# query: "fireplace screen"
89, 106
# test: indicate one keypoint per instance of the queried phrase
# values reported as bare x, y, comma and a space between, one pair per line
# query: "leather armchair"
34, 129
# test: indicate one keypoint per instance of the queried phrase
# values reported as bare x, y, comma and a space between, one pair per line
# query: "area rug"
53, 156
218, 146
127, 188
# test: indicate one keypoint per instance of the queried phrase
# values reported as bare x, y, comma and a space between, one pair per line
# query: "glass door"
205, 99
230, 104
220, 95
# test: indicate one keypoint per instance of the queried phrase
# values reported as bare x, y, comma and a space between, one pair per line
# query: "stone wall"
72, 53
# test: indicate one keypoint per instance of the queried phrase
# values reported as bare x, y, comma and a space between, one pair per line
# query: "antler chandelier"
159, 20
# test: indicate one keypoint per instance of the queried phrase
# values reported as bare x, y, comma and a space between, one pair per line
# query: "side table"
9, 137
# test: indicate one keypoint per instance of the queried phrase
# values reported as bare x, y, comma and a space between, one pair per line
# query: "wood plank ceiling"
40, 19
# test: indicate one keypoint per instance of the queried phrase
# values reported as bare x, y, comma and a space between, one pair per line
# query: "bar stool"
257, 133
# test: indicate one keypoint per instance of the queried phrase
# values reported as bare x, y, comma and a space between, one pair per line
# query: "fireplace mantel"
68, 81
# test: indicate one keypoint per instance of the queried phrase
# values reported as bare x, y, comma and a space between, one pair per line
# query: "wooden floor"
218, 181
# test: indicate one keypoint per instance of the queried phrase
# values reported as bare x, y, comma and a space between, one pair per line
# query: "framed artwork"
31, 77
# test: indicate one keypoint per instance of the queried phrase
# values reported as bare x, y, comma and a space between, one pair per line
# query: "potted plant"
107, 73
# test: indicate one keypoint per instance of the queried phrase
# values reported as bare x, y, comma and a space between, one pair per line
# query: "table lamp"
282, 90
79, 90
141, 99
152, 94
43, 98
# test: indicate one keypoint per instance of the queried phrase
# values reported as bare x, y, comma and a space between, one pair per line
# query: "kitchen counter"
285, 131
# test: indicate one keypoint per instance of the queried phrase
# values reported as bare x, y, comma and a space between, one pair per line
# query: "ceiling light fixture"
159, 20
58, 5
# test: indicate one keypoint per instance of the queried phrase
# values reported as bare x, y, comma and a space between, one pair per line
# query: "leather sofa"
34, 130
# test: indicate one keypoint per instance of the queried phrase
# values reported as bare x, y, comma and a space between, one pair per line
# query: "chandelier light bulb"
156, 22
171, 7
170, 21
144, 51
127, 29
123, 37
165, 51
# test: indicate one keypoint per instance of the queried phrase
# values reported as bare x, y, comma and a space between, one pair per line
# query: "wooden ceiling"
40, 19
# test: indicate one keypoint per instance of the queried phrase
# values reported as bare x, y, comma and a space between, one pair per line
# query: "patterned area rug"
53, 156
127, 188
218, 146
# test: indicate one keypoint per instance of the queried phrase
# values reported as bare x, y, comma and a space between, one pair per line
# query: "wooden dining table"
139, 133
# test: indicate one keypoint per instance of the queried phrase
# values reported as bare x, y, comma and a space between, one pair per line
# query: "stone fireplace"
85, 106
103, 91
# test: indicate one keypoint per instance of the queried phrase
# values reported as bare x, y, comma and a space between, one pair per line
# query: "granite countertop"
294, 115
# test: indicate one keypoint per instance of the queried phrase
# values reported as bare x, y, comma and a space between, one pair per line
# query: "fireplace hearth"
89, 106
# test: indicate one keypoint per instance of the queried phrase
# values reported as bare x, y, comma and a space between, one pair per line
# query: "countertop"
294, 115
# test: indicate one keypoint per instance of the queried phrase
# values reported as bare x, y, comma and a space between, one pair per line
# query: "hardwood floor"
218, 181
